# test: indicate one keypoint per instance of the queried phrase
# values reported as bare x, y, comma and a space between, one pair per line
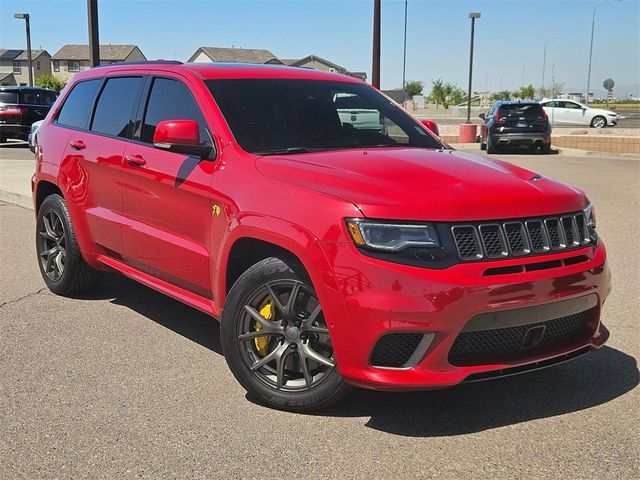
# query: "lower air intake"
394, 350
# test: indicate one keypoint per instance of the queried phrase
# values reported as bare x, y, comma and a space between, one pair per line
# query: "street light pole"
593, 26
25, 17
544, 63
404, 61
473, 17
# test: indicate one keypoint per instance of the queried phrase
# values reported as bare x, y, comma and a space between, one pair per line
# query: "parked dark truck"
333, 256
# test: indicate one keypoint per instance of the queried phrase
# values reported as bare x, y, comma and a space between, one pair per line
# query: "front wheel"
599, 122
276, 341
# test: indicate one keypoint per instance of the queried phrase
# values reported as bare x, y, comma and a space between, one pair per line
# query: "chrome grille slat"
517, 238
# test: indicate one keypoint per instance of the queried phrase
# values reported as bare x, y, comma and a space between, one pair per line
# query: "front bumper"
364, 299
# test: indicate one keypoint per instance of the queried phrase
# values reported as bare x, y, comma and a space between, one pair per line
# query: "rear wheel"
61, 264
599, 122
276, 341
545, 148
490, 147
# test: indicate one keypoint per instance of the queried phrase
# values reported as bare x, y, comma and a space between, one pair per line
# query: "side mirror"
482, 116
180, 136
431, 126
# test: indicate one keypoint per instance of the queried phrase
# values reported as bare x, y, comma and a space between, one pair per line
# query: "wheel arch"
44, 189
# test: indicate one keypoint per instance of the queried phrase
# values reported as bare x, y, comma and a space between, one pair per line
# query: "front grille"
395, 349
518, 238
471, 347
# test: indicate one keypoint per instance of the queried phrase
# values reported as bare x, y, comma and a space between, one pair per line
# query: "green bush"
49, 81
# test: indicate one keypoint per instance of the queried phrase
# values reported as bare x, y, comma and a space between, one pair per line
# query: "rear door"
96, 145
37, 103
166, 195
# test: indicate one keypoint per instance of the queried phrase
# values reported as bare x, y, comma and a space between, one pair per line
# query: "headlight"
391, 236
590, 216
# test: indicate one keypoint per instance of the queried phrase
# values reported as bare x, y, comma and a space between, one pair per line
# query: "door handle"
135, 160
78, 144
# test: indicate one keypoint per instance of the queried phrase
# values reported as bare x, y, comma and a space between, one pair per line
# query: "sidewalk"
17, 166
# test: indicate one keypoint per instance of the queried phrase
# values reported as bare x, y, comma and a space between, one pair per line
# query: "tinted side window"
171, 100
77, 107
115, 106
9, 97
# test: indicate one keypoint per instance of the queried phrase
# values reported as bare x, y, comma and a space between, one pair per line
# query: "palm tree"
438, 93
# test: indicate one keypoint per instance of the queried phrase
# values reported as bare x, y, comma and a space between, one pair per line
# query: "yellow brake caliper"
262, 343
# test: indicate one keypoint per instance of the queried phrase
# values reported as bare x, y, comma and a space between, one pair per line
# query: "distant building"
14, 66
71, 59
234, 55
319, 63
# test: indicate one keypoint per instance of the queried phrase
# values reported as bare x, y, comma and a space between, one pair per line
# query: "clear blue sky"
510, 35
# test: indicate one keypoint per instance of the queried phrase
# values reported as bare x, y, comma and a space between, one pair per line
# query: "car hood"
421, 184
601, 111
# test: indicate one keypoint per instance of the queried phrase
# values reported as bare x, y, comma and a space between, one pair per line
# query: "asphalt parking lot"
129, 383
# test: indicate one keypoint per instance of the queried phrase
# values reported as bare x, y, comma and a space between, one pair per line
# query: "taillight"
498, 118
13, 111
544, 116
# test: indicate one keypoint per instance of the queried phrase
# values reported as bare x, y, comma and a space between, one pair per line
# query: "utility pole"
94, 42
25, 17
404, 58
375, 67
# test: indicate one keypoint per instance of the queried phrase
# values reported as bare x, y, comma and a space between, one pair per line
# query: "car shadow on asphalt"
172, 314
517, 150
591, 380
594, 379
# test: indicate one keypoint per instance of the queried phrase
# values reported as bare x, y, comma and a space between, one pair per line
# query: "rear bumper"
521, 138
364, 299
15, 131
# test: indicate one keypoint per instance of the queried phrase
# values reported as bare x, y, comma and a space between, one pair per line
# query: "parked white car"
568, 112
32, 139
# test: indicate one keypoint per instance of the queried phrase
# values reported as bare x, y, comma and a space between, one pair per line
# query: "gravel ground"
129, 383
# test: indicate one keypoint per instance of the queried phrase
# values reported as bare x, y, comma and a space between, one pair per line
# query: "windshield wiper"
284, 151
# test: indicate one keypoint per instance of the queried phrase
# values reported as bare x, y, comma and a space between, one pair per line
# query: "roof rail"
143, 62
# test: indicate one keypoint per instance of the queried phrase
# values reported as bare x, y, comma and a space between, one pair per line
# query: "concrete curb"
24, 201
575, 152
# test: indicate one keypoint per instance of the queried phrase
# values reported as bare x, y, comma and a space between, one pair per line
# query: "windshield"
269, 116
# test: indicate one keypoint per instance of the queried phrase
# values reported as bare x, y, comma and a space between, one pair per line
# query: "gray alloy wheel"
275, 338
599, 122
283, 339
52, 245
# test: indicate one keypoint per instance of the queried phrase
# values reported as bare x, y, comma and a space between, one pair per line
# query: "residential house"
319, 63
14, 66
71, 59
234, 55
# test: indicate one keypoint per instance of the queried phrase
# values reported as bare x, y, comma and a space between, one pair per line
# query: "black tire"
483, 146
598, 122
490, 147
545, 148
63, 269
284, 387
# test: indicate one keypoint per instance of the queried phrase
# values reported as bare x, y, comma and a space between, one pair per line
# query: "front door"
166, 195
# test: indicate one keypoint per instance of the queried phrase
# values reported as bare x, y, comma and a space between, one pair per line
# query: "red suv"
333, 253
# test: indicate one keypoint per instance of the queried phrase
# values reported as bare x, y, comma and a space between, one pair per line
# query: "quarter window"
171, 100
77, 107
115, 106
